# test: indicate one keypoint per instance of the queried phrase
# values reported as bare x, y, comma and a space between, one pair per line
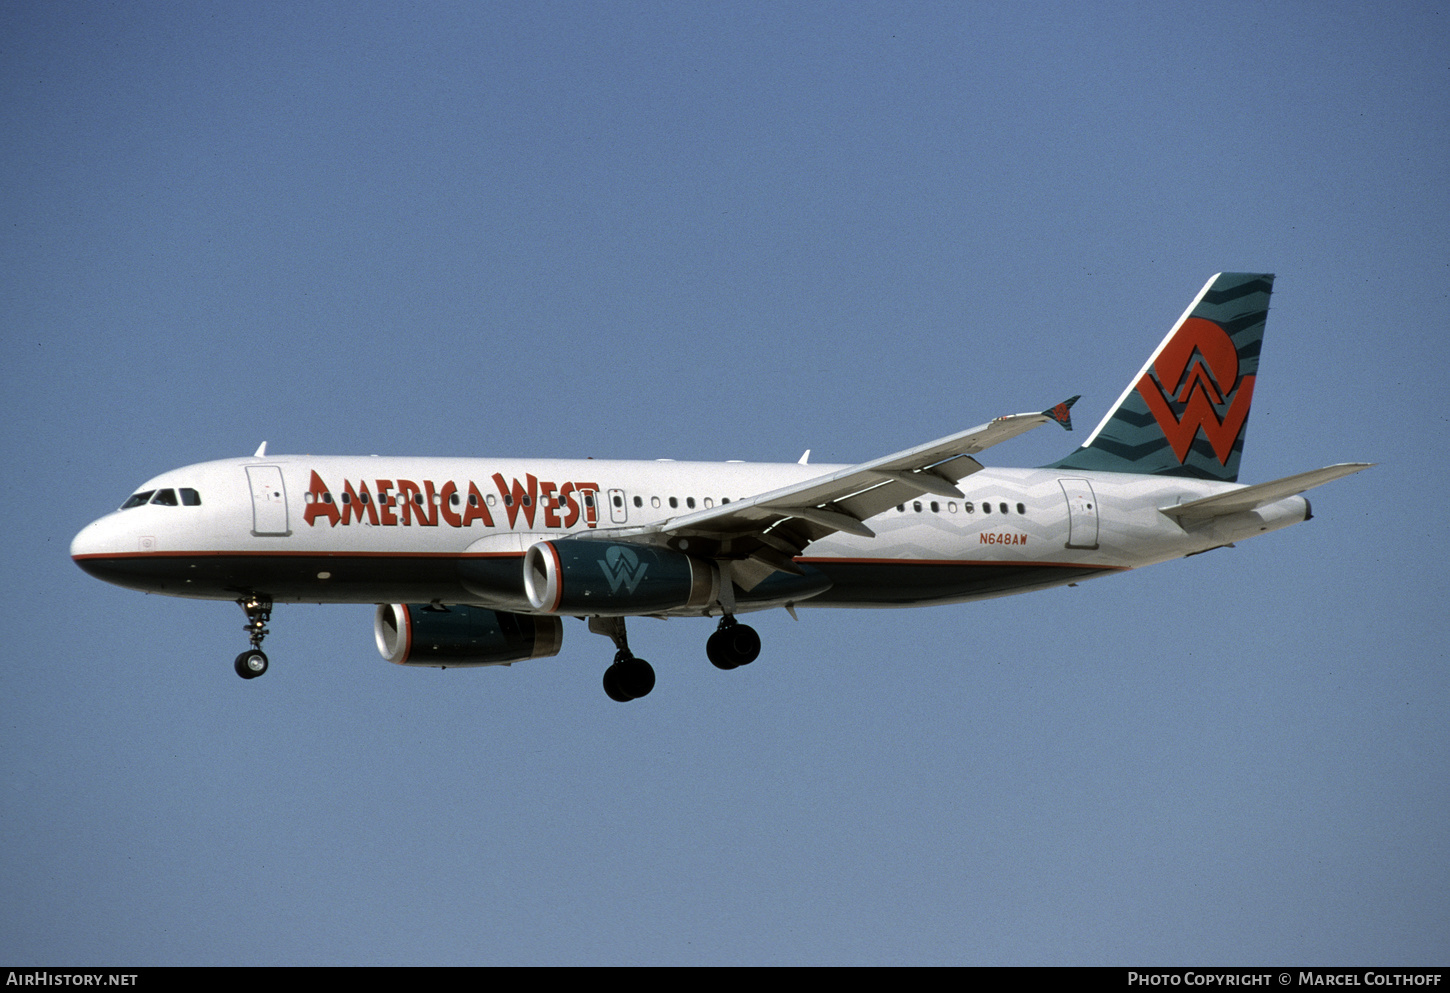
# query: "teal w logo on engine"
622, 567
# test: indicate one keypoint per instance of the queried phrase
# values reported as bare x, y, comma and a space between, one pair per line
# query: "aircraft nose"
84, 543
112, 551
90, 540
98, 546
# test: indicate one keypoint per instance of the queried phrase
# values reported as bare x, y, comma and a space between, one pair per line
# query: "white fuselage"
328, 529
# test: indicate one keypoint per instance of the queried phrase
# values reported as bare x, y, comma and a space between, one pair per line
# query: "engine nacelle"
583, 576
418, 634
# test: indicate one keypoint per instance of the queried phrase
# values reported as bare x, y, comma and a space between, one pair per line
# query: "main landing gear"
732, 645
253, 662
628, 678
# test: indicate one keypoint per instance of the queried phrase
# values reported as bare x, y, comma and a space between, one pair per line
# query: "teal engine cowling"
583, 576
425, 635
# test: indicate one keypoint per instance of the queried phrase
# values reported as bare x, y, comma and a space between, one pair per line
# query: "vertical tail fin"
1185, 412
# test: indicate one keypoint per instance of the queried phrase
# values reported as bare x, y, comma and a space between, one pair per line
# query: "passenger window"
709, 503
690, 502
952, 506
654, 502
935, 507
189, 497
969, 507
916, 506
986, 507
674, 502
639, 501
724, 500
618, 500
137, 500
1021, 508
165, 498
1002, 507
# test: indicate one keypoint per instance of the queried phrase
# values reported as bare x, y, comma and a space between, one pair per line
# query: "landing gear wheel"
715, 651
251, 664
733, 645
611, 686
636, 677
629, 679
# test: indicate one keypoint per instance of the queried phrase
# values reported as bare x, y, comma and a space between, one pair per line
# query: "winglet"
1062, 413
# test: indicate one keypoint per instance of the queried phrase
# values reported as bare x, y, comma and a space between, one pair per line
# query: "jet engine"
426, 635
583, 576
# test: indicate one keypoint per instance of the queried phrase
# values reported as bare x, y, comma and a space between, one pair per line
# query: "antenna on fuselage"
261, 451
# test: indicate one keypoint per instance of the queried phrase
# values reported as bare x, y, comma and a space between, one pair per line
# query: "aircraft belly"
304, 578
917, 583
494, 580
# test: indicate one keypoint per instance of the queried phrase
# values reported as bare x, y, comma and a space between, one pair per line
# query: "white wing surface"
762, 533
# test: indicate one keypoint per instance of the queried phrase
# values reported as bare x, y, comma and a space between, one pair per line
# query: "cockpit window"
164, 498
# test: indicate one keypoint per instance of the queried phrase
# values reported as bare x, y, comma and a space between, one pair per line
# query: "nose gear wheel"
253, 662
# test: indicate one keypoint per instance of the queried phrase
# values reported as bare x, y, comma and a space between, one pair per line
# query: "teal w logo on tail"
1185, 413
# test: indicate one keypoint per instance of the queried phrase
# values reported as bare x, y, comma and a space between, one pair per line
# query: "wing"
763, 533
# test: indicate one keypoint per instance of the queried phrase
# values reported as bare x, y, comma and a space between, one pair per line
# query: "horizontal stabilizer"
1251, 497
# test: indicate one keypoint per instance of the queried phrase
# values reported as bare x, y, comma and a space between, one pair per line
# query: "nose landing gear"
253, 662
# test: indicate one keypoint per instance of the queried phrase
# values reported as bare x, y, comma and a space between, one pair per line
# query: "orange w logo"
1198, 387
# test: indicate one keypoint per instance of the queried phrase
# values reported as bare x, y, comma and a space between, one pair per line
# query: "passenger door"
269, 500
1082, 513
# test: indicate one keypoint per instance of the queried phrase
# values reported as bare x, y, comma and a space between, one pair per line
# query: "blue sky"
713, 231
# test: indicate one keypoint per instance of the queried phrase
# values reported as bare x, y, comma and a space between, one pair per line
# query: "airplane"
476, 561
